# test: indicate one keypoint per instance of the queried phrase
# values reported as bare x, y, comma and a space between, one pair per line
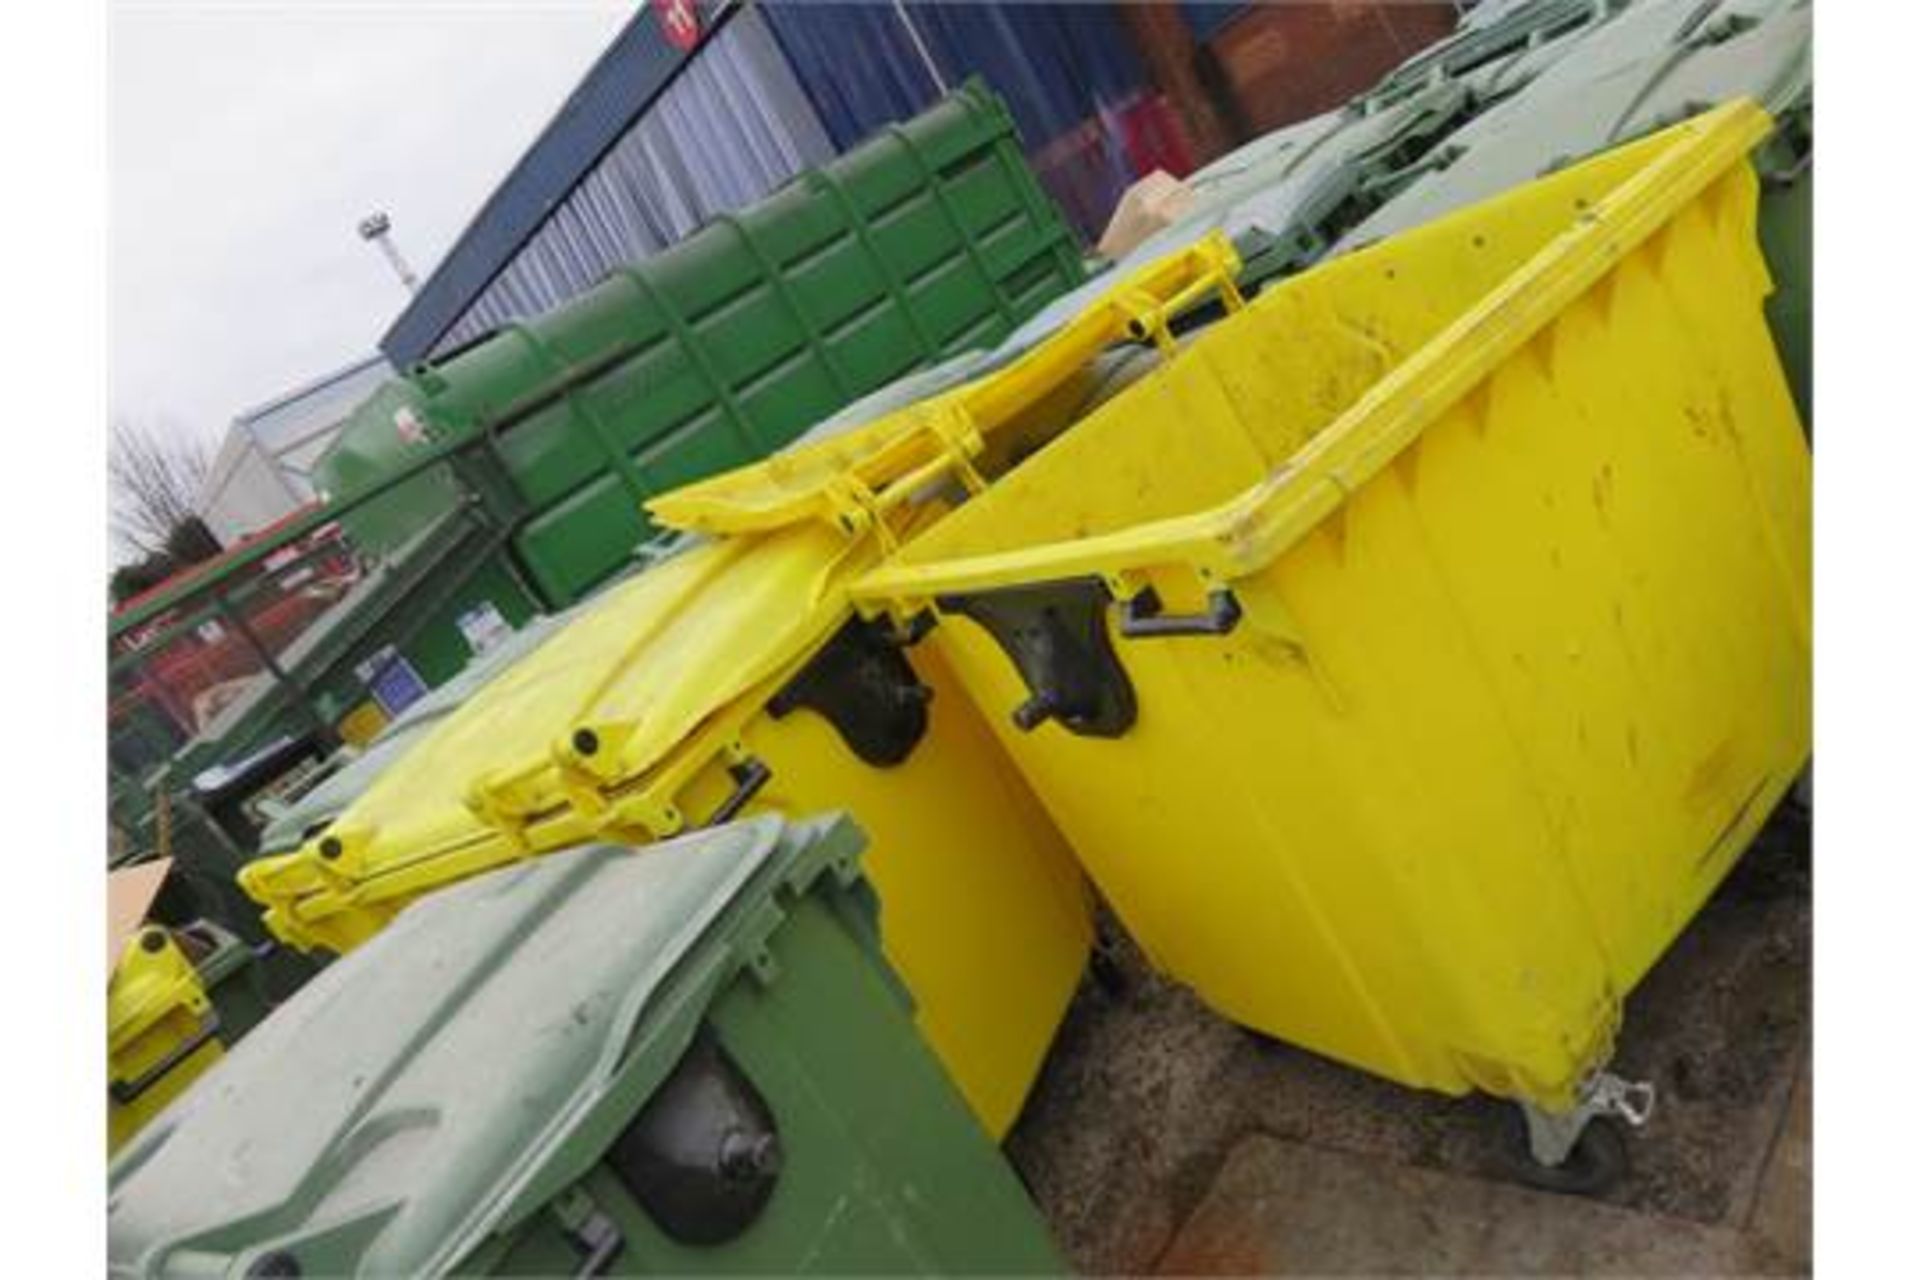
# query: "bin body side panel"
983, 911
883, 1168
1179, 824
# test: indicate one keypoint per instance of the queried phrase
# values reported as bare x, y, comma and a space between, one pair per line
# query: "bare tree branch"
154, 480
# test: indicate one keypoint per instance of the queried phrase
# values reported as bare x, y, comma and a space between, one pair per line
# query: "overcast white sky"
246, 142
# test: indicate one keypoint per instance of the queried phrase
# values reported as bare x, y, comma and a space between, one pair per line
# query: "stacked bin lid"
491, 780
355, 769
351, 771
1279, 198
687, 1059
1519, 90
1278, 207
1285, 196
1498, 47
1648, 67
1290, 197
734, 677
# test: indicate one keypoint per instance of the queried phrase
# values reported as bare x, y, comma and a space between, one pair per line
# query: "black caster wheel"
1110, 975
1117, 968
1597, 1162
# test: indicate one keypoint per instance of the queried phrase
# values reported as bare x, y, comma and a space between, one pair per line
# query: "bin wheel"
1597, 1162
1110, 974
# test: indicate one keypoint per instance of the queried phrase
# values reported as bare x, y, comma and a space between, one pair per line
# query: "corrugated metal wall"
732, 126
1089, 116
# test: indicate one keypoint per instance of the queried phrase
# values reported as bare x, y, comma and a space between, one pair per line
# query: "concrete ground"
1162, 1139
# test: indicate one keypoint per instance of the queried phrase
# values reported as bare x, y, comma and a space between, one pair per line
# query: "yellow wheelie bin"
1411, 653
162, 1031
730, 678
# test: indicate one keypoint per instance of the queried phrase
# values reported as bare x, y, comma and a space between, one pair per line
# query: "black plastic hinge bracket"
1056, 635
865, 687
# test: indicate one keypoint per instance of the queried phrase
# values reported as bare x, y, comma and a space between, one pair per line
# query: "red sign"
680, 20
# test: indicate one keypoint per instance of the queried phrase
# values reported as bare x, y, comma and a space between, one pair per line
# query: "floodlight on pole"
375, 228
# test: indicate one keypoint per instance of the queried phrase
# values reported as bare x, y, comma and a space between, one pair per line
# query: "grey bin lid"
1491, 27
415, 1095
1646, 68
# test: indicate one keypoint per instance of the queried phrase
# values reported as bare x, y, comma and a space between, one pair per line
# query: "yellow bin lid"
151, 978
633, 689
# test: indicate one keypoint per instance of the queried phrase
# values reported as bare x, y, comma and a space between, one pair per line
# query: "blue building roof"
621, 84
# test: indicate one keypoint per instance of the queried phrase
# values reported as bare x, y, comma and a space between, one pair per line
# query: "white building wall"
261, 472
245, 491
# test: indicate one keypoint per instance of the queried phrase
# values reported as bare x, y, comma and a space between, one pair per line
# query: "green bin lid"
457, 1072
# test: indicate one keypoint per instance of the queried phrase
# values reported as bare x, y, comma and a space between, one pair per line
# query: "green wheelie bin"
685, 1059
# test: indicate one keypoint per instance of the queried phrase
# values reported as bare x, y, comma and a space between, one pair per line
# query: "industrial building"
697, 109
